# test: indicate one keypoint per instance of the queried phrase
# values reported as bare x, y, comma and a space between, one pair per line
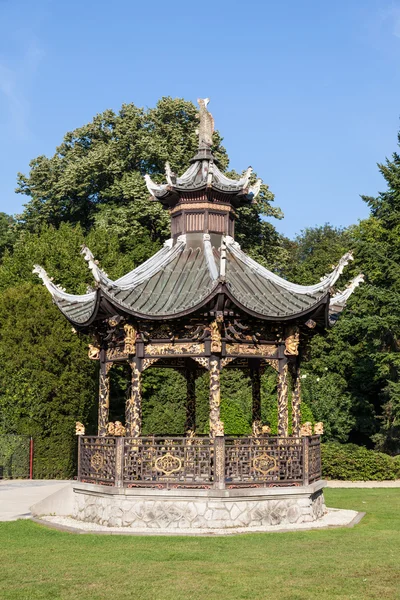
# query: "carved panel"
251, 349
171, 349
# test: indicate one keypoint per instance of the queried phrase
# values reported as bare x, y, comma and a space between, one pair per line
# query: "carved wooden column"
190, 423
133, 408
104, 395
255, 376
216, 425
283, 420
296, 398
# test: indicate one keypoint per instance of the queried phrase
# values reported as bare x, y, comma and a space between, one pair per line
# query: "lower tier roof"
184, 276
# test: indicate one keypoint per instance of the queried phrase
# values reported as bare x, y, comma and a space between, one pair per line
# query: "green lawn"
362, 562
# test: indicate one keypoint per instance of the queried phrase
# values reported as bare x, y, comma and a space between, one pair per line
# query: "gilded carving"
104, 403
130, 339
147, 362
215, 336
116, 352
251, 349
306, 429
94, 352
168, 464
133, 409
203, 361
216, 425
97, 461
181, 348
264, 463
119, 429
79, 428
283, 416
296, 401
220, 462
274, 362
319, 428
292, 341
226, 361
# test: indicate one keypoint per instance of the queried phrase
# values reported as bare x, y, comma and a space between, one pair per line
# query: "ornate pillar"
133, 408
104, 395
283, 423
255, 377
216, 425
190, 423
296, 398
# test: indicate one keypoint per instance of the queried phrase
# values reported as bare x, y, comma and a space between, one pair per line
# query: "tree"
7, 232
313, 252
95, 178
46, 381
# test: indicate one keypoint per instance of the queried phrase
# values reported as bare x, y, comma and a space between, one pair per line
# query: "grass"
362, 562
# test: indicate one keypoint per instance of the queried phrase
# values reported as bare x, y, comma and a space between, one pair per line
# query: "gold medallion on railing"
97, 461
168, 464
264, 463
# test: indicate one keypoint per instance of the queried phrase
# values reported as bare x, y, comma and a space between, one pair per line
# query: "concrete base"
188, 511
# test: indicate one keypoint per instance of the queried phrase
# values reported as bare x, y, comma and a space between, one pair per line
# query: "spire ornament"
206, 127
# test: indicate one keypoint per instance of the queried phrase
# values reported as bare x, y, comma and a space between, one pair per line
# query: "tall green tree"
96, 176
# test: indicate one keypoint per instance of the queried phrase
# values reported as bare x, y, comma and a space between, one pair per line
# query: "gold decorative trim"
172, 349
168, 464
264, 463
202, 206
250, 349
97, 461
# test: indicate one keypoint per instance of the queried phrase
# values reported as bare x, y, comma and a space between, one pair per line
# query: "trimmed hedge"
356, 463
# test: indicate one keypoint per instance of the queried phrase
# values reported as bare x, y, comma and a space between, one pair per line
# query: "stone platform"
187, 511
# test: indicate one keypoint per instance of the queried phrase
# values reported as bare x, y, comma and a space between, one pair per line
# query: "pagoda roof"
203, 173
184, 276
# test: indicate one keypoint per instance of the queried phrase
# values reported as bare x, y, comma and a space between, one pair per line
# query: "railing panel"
168, 460
97, 460
264, 460
314, 458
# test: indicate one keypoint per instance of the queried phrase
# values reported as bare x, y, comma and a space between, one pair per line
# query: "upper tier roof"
182, 278
203, 172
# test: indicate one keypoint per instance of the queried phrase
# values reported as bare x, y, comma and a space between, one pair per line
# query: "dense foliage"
92, 190
355, 463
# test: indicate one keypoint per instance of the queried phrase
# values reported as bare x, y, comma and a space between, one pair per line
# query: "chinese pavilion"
198, 304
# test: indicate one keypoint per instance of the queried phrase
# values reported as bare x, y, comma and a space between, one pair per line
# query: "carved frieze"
147, 362
172, 349
116, 353
251, 349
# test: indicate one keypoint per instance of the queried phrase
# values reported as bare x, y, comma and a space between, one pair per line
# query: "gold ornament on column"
292, 341
216, 425
130, 339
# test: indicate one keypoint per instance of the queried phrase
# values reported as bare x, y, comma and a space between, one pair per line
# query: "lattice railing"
314, 458
166, 461
263, 460
97, 460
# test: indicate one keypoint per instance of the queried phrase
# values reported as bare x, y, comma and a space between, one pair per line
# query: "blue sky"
306, 92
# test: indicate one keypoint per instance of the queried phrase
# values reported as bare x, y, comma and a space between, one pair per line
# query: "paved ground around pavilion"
17, 496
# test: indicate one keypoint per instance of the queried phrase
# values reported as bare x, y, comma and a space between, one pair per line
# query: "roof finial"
206, 127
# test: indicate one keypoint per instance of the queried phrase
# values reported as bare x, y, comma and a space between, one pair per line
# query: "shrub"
351, 462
